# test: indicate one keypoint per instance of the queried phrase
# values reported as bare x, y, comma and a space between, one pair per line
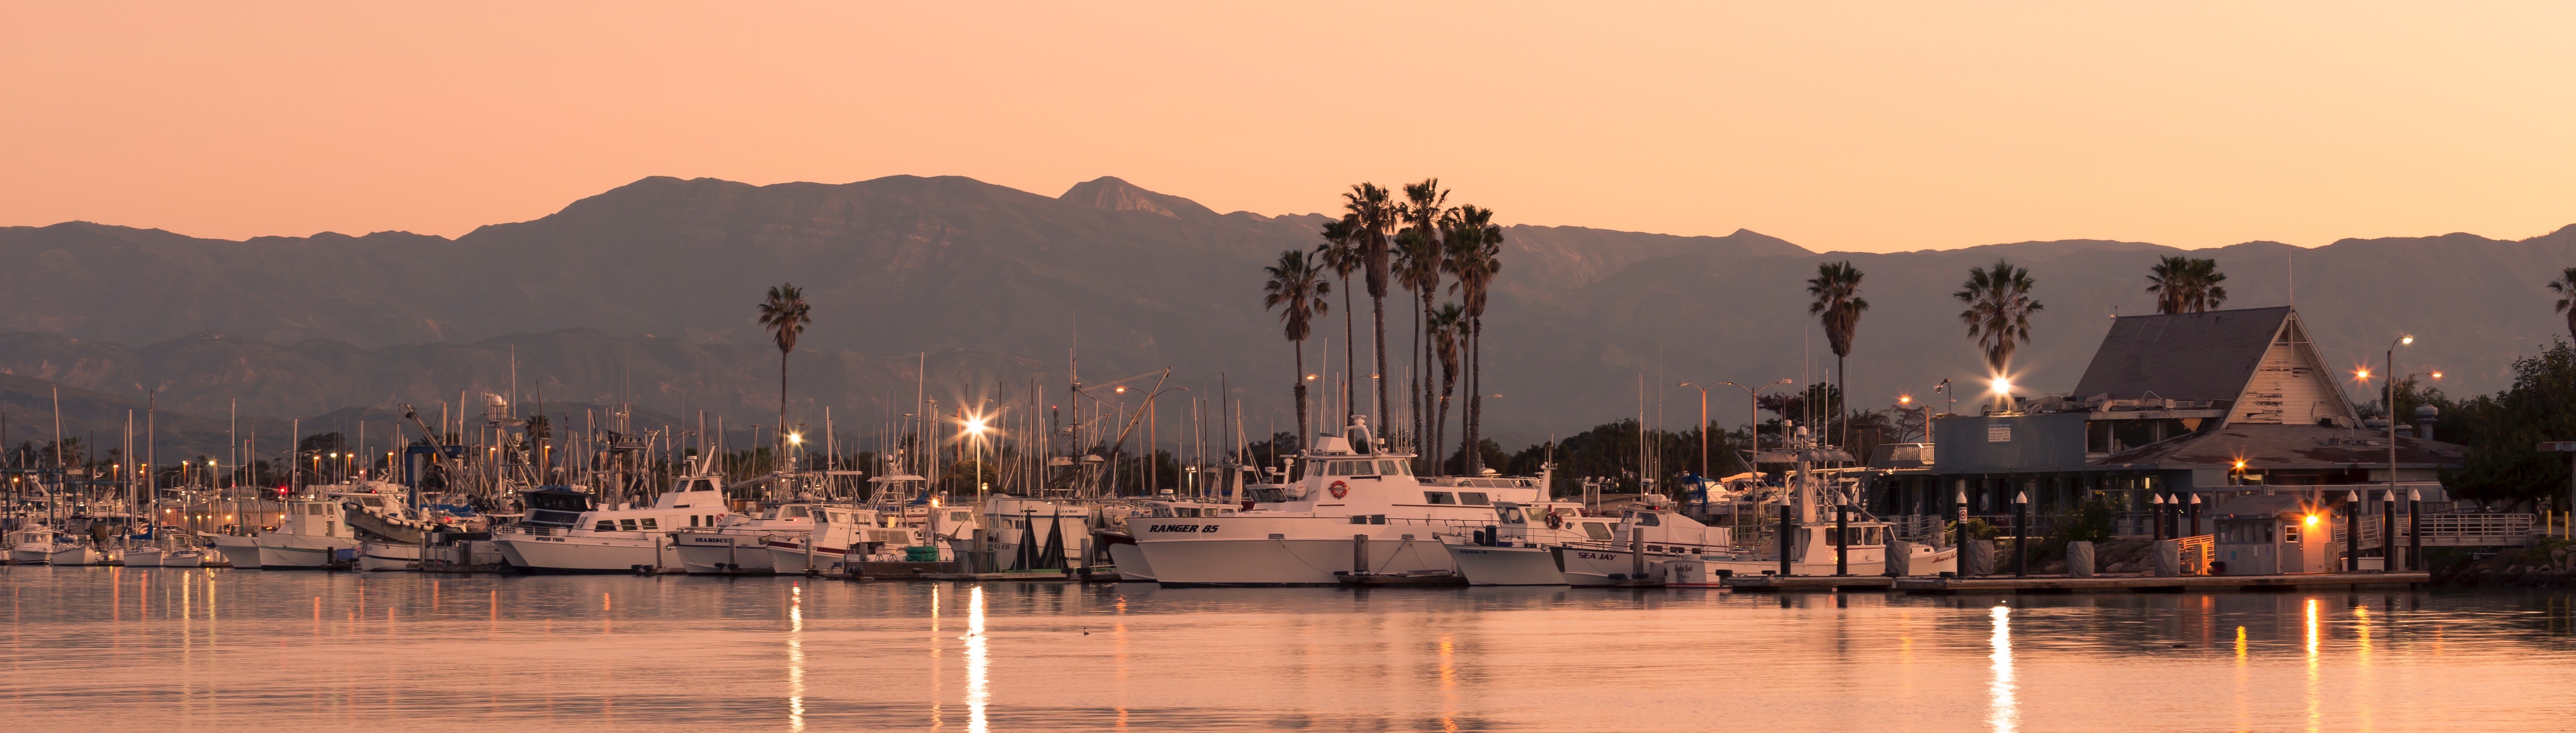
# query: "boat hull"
79, 555
239, 551
382, 556
1597, 567
722, 554
31, 554
1507, 565
578, 554
1255, 551
1130, 561
789, 558
279, 551
143, 557
183, 559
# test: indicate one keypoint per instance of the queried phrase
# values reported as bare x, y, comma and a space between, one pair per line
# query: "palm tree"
1296, 282
1475, 257
1998, 314
1836, 288
2566, 287
1447, 326
1418, 261
1341, 252
1374, 210
2186, 285
784, 314
1422, 212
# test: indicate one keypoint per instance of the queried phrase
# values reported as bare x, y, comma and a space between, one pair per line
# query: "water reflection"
2006, 715
977, 692
691, 653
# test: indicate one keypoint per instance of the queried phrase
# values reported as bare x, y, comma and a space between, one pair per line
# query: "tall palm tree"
1418, 261
784, 314
1423, 209
1374, 209
2206, 295
1341, 253
1998, 314
1836, 288
1448, 324
1297, 283
1475, 257
2566, 287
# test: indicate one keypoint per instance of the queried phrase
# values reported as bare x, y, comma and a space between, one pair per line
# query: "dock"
1807, 583
2163, 584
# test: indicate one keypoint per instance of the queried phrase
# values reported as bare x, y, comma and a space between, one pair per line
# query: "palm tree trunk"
1377, 384
1300, 377
1475, 416
1448, 386
1422, 387
1350, 356
782, 394
1842, 394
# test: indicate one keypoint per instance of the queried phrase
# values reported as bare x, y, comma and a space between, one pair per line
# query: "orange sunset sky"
1853, 126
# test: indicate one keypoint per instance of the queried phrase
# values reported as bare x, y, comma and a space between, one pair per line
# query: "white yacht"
843, 535
565, 532
1522, 546
1680, 551
1358, 508
241, 551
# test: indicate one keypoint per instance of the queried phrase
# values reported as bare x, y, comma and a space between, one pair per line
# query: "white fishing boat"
1521, 547
34, 545
1029, 534
237, 550
841, 535
565, 532
1357, 509
73, 553
739, 543
310, 536
147, 556
1119, 540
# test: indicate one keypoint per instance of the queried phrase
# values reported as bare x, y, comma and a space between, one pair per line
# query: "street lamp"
1703, 429
1752, 405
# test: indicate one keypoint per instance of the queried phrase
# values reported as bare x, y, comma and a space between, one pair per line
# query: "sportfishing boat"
1119, 540
1522, 547
1357, 509
565, 531
310, 536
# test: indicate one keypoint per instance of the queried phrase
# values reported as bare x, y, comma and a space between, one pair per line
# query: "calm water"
144, 649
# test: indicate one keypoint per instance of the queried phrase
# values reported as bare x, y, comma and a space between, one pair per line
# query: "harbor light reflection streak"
977, 691
2006, 711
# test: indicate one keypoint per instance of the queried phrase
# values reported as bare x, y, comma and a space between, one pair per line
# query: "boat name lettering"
1202, 528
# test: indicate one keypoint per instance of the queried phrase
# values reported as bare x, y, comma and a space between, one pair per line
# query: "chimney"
2424, 415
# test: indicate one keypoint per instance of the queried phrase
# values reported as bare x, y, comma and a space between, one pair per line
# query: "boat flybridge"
566, 532
1357, 509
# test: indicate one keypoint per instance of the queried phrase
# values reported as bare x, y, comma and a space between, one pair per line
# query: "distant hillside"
646, 291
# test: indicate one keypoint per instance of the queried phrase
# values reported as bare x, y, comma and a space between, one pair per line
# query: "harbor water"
103, 648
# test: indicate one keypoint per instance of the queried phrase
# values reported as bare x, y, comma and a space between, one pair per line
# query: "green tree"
1298, 286
2503, 431
2186, 285
1998, 315
1836, 288
784, 314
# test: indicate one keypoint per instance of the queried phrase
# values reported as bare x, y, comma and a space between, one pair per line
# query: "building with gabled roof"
2214, 405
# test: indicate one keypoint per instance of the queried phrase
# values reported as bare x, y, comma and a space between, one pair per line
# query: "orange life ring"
1340, 489
1554, 521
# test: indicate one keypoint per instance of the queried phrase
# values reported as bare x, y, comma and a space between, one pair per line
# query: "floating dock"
2163, 584
1807, 583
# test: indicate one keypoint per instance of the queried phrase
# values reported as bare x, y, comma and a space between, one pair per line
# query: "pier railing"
2453, 530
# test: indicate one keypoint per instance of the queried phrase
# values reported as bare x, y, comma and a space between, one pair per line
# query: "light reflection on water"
286, 651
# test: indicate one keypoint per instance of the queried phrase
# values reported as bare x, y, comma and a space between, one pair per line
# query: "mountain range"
645, 294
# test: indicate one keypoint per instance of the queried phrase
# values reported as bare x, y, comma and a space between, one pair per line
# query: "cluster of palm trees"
2186, 285
1421, 244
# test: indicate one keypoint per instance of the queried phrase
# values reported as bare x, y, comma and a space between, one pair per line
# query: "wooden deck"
2168, 584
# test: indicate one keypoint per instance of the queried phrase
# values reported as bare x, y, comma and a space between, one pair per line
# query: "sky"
1850, 126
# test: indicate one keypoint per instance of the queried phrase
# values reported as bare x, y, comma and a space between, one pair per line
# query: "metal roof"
2182, 356
2291, 446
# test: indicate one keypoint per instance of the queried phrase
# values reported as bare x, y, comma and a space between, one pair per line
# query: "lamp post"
1752, 411
2391, 404
1703, 429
